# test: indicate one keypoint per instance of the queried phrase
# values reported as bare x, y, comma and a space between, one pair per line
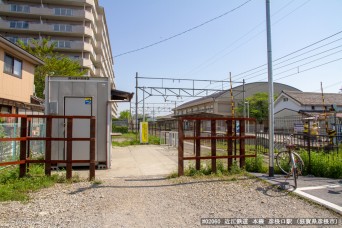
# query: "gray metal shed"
82, 96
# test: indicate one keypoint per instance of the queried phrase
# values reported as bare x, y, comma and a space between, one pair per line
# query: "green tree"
258, 106
55, 63
125, 115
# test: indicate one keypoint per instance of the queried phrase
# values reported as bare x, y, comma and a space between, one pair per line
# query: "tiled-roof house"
295, 103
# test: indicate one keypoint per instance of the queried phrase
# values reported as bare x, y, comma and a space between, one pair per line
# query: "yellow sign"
144, 132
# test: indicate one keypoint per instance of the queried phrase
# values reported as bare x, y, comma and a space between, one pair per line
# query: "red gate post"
213, 145
69, 149
48, 146
180, 147
92, 149
230, 142
23, 140
28, 144
242, 143
198, 144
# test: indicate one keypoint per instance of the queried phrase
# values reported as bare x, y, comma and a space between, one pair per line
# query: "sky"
221, 41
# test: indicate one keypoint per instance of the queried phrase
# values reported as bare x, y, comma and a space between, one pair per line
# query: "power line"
254, 76
184, 32
215, 58
310, 45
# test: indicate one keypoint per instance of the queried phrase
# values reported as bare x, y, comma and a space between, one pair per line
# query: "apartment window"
62, 28
20, 8
63, 44
12, 66
19, 24
63, 12
15, 39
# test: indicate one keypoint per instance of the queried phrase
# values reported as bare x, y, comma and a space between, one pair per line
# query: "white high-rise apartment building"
78, 26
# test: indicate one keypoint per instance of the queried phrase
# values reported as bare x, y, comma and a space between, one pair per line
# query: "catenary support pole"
136, 103
270, 92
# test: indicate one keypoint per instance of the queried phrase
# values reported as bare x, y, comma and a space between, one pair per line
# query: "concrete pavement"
324, 191
142, 160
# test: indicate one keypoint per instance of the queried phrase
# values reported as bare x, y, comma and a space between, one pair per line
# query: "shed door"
79, 106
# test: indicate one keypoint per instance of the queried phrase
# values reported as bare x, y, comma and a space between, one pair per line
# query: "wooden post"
213, 145
69, 149
180, 147
23, 134
92, 148
198, 144
230, 142
242, 143
48, 146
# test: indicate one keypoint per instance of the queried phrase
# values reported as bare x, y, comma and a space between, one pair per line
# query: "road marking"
320, 187
328, 204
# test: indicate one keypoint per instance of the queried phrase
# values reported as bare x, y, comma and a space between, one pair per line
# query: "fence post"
69, 149
23, 134
242, 143
198, 144
92, 148
180, 147
213, 145
309, 145
230, 142
28, 143
48, 146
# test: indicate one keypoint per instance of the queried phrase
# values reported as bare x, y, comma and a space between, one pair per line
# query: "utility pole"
270, 92
136, 103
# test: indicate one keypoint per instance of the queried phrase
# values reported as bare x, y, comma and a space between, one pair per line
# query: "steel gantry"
160, 87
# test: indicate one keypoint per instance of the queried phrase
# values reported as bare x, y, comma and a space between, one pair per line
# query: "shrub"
120, 129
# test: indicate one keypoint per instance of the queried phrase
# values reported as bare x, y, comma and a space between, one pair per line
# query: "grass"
13, 188
252, 165
323, 164
130, 139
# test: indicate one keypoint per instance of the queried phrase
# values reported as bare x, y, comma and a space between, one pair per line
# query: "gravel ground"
156, 202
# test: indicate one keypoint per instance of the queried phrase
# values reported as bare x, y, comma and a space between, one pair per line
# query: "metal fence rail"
25, 140
195, 130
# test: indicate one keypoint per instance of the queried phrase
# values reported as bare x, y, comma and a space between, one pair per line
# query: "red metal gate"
200, 129
24, 139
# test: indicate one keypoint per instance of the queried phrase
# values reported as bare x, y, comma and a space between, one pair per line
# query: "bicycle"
289, 162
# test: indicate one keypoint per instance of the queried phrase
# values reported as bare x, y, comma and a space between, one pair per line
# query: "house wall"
282, 104
14, 88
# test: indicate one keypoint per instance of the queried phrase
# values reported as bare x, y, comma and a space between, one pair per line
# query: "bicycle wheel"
299, 164
283, 160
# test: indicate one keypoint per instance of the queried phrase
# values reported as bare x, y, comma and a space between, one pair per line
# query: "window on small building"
285, 99
312, 107
12, 66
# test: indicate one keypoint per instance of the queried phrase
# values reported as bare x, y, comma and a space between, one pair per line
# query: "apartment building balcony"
46, 13
44, 28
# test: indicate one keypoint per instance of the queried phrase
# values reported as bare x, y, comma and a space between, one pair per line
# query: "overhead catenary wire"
215, 58
184, 32
296, 51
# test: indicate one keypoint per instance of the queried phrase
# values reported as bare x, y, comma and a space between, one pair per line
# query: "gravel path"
155, 202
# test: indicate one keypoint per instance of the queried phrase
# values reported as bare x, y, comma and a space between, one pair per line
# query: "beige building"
79, 28
221, 103
17, 79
